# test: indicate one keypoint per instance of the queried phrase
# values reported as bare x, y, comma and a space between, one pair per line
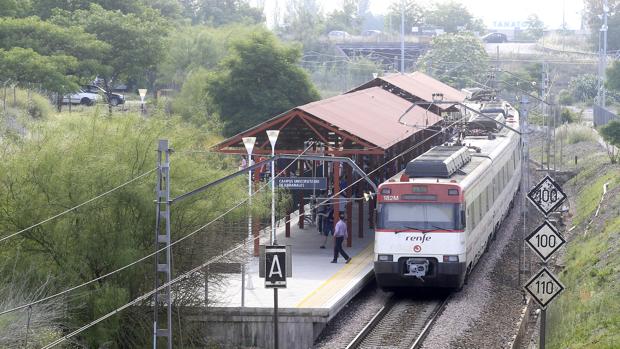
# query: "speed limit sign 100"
545, 240
547, 195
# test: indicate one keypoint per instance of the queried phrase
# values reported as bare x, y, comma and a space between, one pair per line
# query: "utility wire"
212, 260
76, 207
149, 255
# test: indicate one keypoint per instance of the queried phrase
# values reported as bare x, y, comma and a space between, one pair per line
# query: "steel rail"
370, 326
389, 305
429, 324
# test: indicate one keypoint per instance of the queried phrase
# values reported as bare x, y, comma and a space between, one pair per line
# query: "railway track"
400, 323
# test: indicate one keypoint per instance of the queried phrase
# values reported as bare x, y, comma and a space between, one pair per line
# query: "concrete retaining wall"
253, 327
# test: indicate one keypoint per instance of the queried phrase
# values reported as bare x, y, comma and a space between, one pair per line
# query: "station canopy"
363, 121
417, 87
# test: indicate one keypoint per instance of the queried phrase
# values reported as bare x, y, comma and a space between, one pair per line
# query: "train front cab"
419, 237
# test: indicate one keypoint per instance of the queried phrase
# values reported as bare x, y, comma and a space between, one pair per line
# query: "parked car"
338, 35
90, 94
81, 97
495, 38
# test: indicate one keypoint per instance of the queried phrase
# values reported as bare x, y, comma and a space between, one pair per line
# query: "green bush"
568, 116
29, 103
565, 97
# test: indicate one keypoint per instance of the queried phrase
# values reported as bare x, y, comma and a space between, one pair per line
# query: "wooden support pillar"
287, 218
255, 220
349, 207
300, 171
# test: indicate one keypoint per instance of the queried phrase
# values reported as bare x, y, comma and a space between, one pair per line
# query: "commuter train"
439, 215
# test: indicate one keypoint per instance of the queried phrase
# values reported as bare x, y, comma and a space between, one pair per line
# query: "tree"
66, 161
221, 12
258, 80
592, 10
611, 135
347, 19
453, 17
534, 27
52, 73
304, 22
193, 47
583, 87
613, 77
46, 8
33, 51
136, 41
415, 15
14, 8
456, 59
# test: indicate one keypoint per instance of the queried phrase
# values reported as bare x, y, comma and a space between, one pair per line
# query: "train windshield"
432, 216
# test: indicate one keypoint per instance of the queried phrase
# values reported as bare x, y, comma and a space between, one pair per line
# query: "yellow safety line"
365, 253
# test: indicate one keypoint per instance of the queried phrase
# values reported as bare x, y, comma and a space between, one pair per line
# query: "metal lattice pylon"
162, 300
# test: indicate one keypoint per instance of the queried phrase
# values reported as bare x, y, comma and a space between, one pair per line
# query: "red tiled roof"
372, 114
420, 85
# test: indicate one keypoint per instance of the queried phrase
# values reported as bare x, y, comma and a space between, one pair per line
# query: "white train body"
436, 218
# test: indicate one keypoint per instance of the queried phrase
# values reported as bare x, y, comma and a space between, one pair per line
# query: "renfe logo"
422, 238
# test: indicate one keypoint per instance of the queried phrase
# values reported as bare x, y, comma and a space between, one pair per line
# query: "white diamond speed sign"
544, 287
545, 240
547, 195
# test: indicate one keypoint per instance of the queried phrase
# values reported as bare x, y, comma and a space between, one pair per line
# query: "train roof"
448, 164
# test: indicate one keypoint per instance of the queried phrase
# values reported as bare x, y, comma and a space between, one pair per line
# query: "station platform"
315, 293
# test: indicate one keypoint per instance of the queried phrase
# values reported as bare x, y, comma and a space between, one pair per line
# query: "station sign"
545, 240
544, 287
547, 195
275, 265
302, 183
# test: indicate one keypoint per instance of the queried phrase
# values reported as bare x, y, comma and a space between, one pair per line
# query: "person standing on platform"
339, 235
328, 223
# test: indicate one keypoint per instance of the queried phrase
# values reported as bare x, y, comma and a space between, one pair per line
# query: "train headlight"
450, 259
385, 257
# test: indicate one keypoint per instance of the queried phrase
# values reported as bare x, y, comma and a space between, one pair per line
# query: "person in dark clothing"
339, 235
328, 223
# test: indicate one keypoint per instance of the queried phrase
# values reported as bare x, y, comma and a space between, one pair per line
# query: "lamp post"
248, 142
273, 137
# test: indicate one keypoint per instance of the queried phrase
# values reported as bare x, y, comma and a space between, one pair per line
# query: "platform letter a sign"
275, 268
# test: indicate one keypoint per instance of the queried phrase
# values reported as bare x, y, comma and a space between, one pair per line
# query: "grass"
574, 133
588, 200
587, 314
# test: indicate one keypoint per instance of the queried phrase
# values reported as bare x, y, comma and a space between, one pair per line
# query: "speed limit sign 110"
544, 287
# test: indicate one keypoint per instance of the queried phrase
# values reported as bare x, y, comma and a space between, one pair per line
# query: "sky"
491, 11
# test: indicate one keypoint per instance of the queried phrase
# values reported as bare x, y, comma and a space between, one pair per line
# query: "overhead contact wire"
145, 257
212, 260
76, 207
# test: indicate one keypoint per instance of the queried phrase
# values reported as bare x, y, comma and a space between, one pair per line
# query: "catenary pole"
163, 259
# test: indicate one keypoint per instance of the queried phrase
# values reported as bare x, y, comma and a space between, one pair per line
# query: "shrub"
28, 103
565, 97
575, 134
566, 115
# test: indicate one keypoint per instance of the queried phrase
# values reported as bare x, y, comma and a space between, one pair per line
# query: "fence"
602, 116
